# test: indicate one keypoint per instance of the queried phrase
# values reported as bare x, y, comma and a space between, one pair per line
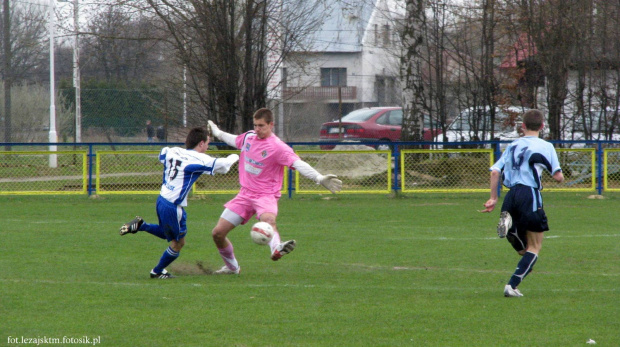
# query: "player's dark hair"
264, 113
195, 136
533, 120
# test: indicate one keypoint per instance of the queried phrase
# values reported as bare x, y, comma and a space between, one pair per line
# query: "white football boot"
505, 223
282, 249
509, 292
226, 271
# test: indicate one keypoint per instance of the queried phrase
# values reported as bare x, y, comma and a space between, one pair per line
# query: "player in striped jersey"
523, 220
182, 167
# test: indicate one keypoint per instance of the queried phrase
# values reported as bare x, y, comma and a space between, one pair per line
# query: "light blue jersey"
182, 167
523, 161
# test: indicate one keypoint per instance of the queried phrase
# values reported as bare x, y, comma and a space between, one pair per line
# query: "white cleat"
282, 249
505, 223
226, 271
509, 292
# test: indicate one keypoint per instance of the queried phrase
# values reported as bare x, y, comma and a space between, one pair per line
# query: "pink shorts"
248, 203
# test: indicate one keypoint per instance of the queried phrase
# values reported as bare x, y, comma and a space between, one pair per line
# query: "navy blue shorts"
525, 206
172, 219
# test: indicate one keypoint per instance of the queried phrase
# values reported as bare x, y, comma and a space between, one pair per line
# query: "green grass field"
420, 270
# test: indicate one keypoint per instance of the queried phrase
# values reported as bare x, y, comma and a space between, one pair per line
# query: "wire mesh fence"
361, 171
43, 172
445, 170
122, 168
579, 169
611, 166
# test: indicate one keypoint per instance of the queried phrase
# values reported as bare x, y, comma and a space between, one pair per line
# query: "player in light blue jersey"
523, 220
182, 167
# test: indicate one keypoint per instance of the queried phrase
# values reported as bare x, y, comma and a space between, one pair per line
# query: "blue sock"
154, 229
167, 258
525, 266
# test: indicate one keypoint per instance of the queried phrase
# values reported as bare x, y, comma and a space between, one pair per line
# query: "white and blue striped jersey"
182, 167
523, 161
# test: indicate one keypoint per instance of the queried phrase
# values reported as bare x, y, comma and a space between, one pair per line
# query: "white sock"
275, 241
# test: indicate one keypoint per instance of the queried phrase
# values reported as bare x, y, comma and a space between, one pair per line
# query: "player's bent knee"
177, 245
218, 235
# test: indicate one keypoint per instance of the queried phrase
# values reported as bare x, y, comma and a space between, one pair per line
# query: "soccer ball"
261, 233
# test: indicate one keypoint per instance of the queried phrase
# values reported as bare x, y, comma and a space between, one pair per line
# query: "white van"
474, 124
594, 126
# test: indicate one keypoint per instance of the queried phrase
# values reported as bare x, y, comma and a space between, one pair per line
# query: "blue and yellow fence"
122, 168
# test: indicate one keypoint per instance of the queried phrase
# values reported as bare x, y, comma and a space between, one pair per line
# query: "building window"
387, 36
331, 77
376, 35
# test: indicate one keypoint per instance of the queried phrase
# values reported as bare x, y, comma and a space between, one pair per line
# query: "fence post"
599, 167
90, 168
497, 153
396, 156
290, 182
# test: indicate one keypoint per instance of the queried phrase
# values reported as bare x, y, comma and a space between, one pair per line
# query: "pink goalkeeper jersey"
262, 162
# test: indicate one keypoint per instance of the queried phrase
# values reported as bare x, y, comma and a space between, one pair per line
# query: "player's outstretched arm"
490, 204
229, 139
331, 182
558, 176
223, 165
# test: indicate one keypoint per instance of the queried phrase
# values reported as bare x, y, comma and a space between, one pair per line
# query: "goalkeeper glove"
215, 131
331, 182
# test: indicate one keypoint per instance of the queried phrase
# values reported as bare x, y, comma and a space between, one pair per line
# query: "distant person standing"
150, 131
161, 133
523, 220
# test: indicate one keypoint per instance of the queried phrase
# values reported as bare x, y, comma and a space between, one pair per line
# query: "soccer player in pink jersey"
261, 170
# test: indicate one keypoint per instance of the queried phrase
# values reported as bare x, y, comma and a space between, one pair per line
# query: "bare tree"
23, 30
552, 25
222, 45
119, 46
411, 71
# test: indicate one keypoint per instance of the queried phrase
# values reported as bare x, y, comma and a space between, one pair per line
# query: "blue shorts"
525, 206
172, 219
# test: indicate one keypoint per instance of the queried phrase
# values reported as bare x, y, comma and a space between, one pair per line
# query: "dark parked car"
372, 124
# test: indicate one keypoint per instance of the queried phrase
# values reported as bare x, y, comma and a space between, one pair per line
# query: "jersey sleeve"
287, 156
555, 162
501, 162
223, 165
241, 139
162, 155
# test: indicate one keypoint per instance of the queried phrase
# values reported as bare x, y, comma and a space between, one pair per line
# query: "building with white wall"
353, 63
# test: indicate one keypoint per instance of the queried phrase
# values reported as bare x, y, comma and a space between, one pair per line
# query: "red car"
372, 124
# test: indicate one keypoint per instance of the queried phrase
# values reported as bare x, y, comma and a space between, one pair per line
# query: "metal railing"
133, 168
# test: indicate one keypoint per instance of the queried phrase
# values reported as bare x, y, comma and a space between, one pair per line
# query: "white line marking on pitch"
294, 285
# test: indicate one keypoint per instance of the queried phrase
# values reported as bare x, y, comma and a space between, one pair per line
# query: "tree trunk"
411, 70
8, 79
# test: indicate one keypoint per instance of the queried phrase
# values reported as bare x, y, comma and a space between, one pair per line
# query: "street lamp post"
76, 72
53, 136
76, 69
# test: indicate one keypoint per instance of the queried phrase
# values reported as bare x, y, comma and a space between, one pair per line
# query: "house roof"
342, 25
522, 49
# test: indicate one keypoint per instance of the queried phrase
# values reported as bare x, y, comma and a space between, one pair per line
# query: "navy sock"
167, 258
154, 229
526, 264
